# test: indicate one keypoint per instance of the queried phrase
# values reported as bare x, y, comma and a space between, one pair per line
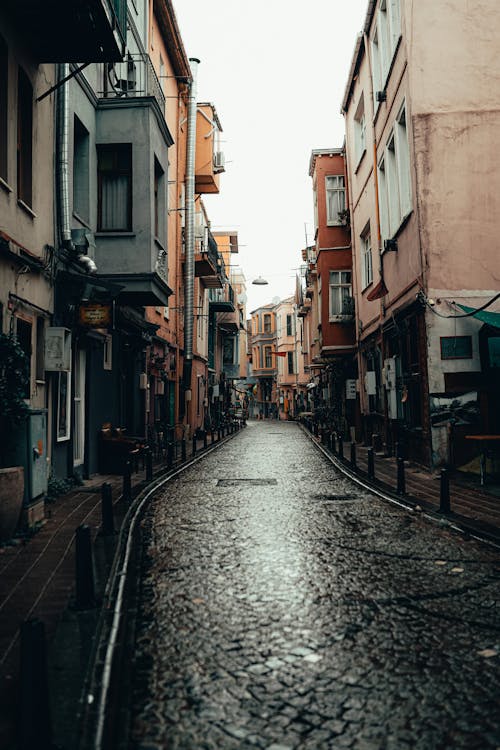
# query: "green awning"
490, 318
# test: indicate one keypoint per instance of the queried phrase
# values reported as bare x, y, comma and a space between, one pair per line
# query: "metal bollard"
183, 450
401, 481
444, 494
213, 437
205, 439
170, 455
127, 482
149, 465
107, 521
84, 569
353, 455
371, 463
218, 433
34, 709
194, 445
341, 447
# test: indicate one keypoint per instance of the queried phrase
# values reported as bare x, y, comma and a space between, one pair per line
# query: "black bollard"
107, 521
149, 465
183, 449
371, 463
84, 569
218, 433
341, 447
34, 710
170, 455
127, 482
401, 482
444, 494
194, 445
353, 455
213, 437
205, 439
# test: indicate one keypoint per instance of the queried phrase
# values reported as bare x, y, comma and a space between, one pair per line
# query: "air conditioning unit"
390, 245
219, 160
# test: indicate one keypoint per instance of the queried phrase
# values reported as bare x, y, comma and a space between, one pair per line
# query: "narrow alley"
282, 607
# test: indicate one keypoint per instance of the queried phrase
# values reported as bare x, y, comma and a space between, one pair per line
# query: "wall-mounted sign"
350, 390
93, 315
57, 354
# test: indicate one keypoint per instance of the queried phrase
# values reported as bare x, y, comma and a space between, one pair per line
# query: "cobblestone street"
283, 607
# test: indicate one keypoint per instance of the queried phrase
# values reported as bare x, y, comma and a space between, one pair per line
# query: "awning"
490, 318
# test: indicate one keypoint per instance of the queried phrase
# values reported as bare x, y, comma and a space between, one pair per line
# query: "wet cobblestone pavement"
282, 607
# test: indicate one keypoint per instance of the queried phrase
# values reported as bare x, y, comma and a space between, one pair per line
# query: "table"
483, 440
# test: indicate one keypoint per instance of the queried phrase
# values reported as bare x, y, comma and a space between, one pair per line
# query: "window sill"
341, 319
367, 287
404, 221
114, 234
26, 209
5, 186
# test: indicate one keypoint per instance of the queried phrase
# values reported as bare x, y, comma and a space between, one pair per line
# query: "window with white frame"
335, 198
366, 258
387, 33
340, 293
395, 200
359, 131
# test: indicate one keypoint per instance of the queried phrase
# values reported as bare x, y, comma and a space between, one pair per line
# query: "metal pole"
170, 455
84, 569
205, 439
353, 455
194, 445
183, 449
149, 465
107, 521
371, 463
34, 716
341, 447
127, 482
444, 494
401, 482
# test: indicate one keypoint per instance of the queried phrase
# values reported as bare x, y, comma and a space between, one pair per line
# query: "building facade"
418, 147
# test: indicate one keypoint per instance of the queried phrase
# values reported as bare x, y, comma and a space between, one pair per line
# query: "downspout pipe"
189, 239
63, 159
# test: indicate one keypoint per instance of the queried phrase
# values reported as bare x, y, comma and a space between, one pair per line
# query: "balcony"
209, 161
222, 300
208, 264
131, 78
79, 31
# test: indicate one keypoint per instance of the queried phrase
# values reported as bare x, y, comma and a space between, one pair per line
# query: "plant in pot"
13, 412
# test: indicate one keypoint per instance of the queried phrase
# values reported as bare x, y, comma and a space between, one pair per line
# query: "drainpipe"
63, 202
63, 160
189, 241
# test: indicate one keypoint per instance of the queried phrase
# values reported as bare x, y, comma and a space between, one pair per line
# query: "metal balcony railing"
133, 77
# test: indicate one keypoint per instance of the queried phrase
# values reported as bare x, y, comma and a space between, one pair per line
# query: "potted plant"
13, 412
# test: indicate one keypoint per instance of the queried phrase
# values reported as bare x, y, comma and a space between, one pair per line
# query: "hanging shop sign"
93, 315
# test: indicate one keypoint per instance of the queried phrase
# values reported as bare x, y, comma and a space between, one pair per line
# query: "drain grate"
250, 482
328, 498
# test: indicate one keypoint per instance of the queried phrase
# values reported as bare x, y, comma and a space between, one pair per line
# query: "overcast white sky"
276, 73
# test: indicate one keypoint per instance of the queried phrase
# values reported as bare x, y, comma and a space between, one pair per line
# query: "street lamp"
260, 281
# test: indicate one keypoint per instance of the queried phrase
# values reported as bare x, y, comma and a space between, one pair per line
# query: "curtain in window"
114, 210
